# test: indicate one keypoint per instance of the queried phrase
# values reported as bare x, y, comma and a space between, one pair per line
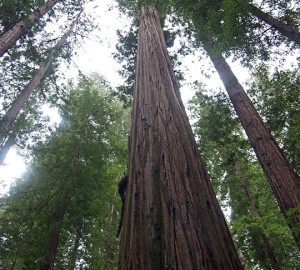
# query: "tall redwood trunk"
172, 219
285, 29
8, 39
284, 182
54, 241
268, 247
14, 110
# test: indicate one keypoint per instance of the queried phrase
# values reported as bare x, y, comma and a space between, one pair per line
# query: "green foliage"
76, 169
228, 27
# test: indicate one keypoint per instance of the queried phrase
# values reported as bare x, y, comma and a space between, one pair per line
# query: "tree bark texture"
11, 140
8, 39
284, 182
267, 245
172, 219
285, 29
14, 110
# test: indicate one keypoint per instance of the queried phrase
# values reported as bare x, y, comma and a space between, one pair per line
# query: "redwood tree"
14, 110
9, 38
284, 181
285, 29
171, 216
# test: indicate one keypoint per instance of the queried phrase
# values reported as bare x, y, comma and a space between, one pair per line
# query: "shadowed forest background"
117, 181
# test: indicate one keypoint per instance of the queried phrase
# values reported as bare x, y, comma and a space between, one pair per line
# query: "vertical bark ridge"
172, 219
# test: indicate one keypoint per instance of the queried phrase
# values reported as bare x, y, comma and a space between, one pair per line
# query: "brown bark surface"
171, 216
18, 104
8, 39
284, 182
285, 29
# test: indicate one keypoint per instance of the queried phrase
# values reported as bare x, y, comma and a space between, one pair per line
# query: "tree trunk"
14, 265
172, 219
72, 263
14, 110
268, 247
285, 29
5, 148
8, 39
53, 244
285, 183
51, 254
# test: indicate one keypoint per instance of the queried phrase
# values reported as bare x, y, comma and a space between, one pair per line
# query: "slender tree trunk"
8, 119
285, 29
8, 39
110, 251
285, 183
5, 148
73, 259
172, 219
51, 254
14, 265
259, 250
268, 247
53, 244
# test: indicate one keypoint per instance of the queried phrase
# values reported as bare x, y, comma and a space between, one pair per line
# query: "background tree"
22, 63
9, 38
12, 113
258, 227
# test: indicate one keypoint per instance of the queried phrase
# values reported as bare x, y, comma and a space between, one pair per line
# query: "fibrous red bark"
171, 216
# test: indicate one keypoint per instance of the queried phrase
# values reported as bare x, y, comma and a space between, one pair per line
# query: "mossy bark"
171, 216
